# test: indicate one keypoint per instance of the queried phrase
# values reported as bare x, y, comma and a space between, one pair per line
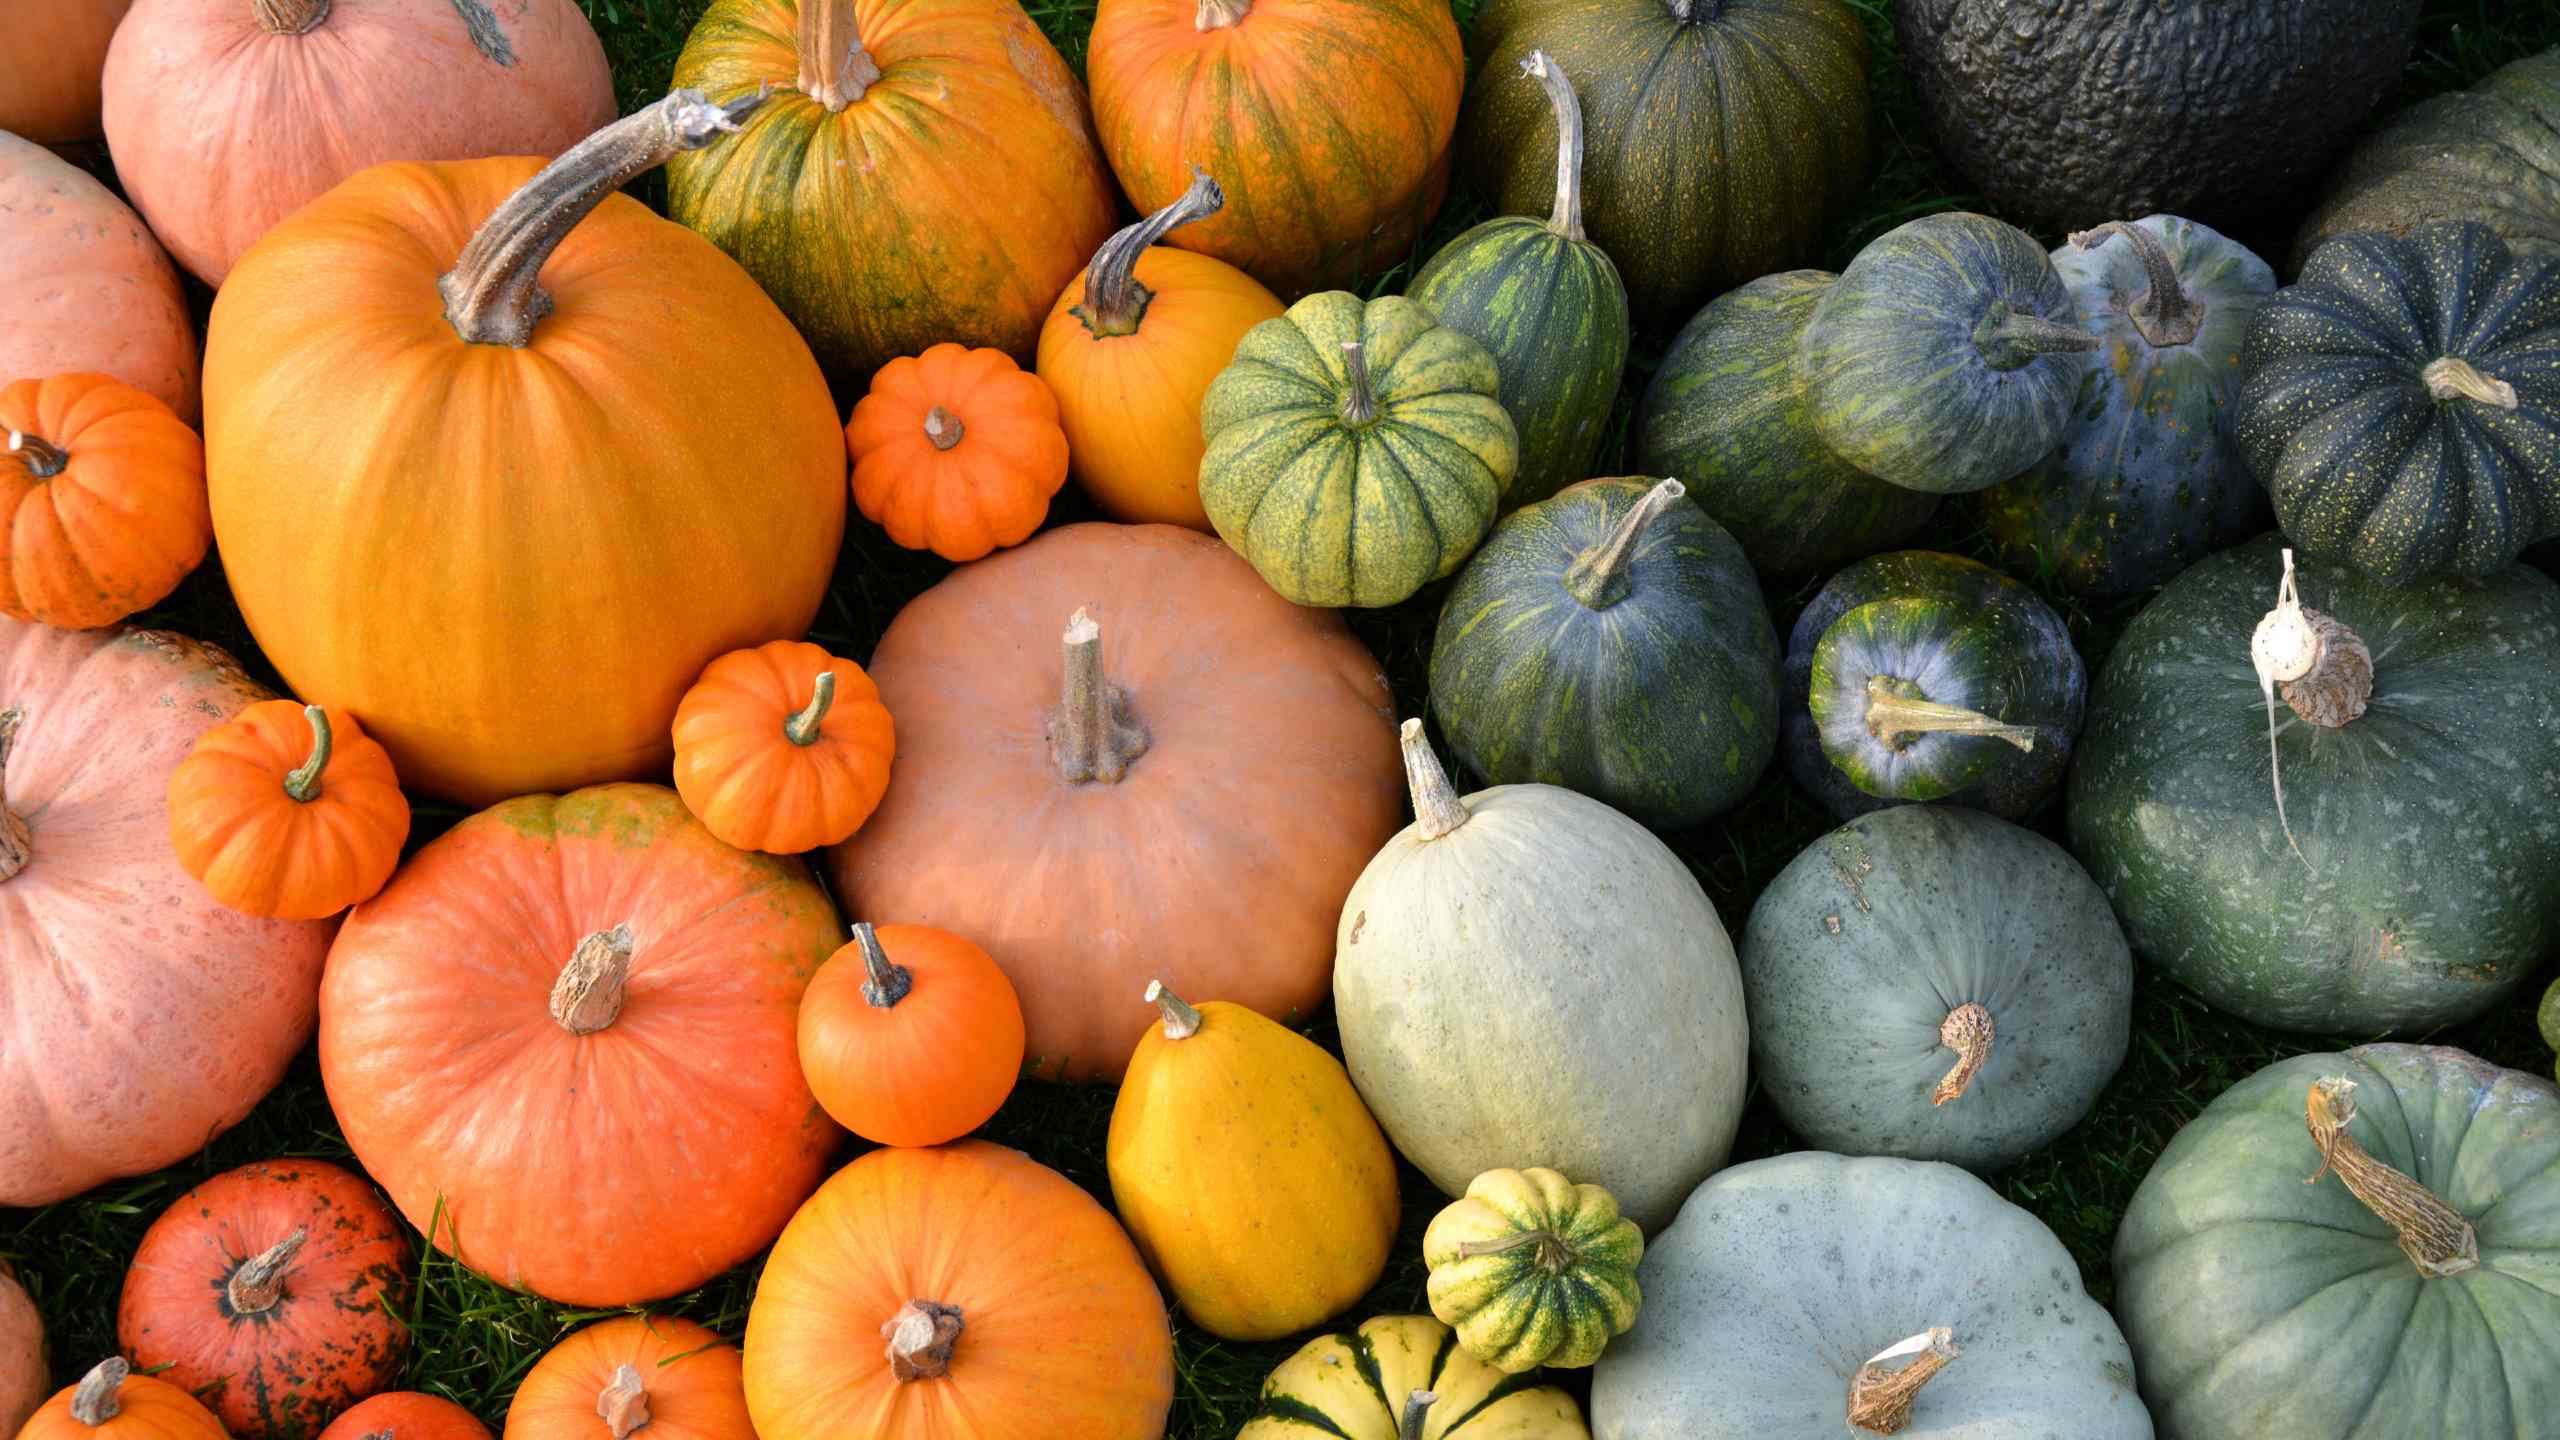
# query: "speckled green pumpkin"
1946, 356
1341, 494
2402, 403
1646, 678
2428, 883
2146, 480
2490, 153
1726, 414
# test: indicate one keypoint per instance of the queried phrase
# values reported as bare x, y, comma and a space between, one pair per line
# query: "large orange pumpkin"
144, 1018
84, 289
509, 521
113, 1403
1327, 122
651, 1375
101, 501
565, 1036
50, 54
1012, 1306
23, 1366
406, 1415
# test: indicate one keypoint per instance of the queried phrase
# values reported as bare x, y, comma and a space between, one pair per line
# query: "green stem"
802, 729
885, 982
303, 784
2165, 314
1114, 302
1599, 577
1555, 1256
2009, 337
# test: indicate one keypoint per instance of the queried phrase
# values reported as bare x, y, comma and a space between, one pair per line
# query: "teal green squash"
1547, 304
1923, 676
2402, 403
2426, 883
2146, 480
1356, 450
2260, 1306
1726, 413
1946, 356
1611, 640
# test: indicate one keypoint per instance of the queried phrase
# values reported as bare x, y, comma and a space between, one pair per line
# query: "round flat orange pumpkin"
101, 500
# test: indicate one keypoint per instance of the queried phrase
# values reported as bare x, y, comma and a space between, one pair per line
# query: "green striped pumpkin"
1365, 1384
1356, 450
1548, 305
1534, 1270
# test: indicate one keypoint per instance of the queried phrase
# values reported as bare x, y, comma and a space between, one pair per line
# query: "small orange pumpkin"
406, 1415
101, 498
783, 747
956, 451
667, 1378
113, 1403
911, 1050
288, 812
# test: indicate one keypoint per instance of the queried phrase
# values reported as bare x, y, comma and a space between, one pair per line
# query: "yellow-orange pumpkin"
285, 811
101, 500
113, 1403
956, 451
783, 747
655, 1376
406, 1415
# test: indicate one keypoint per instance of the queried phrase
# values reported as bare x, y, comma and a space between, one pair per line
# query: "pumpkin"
1559, 354
1036, 810
1728, 414
783, 747
641, 510
2480, 154
658, 1373
113, 1403
1533, 1270
1611, 640
590, 989
1130, 348
2400, 1291
406, 1415
1934, 983
153, 1018
2399, 721
2146, 480
1724, 138
285, 811
89, 291
102, 497
56, 49
1945, 358
1248, 1171
1586, 1016
1356, 450
1403, 1375
23, 1367
956, 451
227, 117
2402, 406
924, 172
1011, 1304
1328, 125
914, 1049
2547, 1018
271, 1292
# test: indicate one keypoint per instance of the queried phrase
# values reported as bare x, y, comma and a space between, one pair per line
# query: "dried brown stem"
1114, 302
1094, 734
2164, 314
1895, 709
623, 1404
921, 1336
259, 1282
588, 995
2434, 1235
17, 841
1880, 1397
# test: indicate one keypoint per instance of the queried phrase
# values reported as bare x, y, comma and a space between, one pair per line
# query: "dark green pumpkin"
2427, 884
2402, 403
1725, 137
1611, 640
1548, 306
1923, 676
1946, 356
2490, 153
1725, 414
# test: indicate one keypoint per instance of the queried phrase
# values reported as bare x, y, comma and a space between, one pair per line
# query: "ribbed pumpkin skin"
1718, 148
254, 847
1356, 1384
2484, 154
113, 306
56, 49
2258, 1305
2366, 465
949, 203
1726, 415
1553, 1301
2455, 760
1663, 704
692, 1378
122, 523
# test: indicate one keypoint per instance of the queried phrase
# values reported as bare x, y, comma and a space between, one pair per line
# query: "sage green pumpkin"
1611, 640
1726, 413
2259, 1305
1366, 1383
2490, 153
1946, 356
1534, 1270
1356, 449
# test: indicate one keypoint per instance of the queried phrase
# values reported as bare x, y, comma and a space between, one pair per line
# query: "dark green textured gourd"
2490, 153
1611, 640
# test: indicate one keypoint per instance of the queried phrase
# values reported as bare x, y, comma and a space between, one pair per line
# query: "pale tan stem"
588, 995
1417, 1413
943, 428
1554, 1256
1892, 714
1599, 577
623, 1404
1967, 1030
303, 782
290, 17
2322, 667
803, 728
1094, 734
1359, 399
2164, 313
42, 457
884, 982
1566, 218
1220, 14
1181, 1018
1437, 810
921, 1336
17, 841
259, 1283
93, 1400
1114, 302
835, 70
1880, 1396
2449, 378
2434, 1235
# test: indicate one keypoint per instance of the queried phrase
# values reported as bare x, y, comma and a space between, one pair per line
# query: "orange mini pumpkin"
783, 747
956, 451
911, 1049
113, 1403
288, 812
655, 1375
101, 498
406, 1415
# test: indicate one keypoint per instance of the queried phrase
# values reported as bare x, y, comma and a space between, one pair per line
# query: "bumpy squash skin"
1356, 1384
2488, 154
1554, 1300
2428, 887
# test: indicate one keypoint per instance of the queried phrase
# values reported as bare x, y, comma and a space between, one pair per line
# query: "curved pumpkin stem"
2009, 337
1114, 302
259, 1283
1880, 1397
2435, 1236
1566, 218
1599, 576
1093, 734
303, 783
884, 982
17, 842
921, 1336
93, 1400
588, 995
2449, 378
1968, 1031
835, 70
1895, 709
2164, 313
1417, 1413
803, 728
623, 1404
1181, 1018
1220, 14
1359, 398
42, 457
1437, 810
290, 17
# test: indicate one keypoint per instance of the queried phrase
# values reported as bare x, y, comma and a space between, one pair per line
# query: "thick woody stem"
1437, 810
1181, 1018
1359, 401
1566, 218
943, 428
1220, 14
623, 1404
1114, 302
2434, 1235
259, 1283
2165, 314
1967, 1030
17, 842
1599, 577
835, 70
1417, 1413
290, 17
1093, 734
93, 1400
803, 727
1880, 1398
588, 995
2452, 379
884, 982
42, 457
921, 1336
2009, 337
1895, 709
303, 783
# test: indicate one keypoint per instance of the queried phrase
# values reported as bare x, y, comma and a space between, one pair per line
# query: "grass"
474, 1340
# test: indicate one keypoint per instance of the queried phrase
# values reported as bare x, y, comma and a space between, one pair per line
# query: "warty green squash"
1404, 1377
2490, 153
1534, 1270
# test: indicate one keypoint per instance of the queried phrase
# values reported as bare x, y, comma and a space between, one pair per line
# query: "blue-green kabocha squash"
2146, 480
1611, 640
2393, 865
1356, 450
1547, 304
1946, 356
2412, 1288
1923, 676
1727, 413
1935, 983
2402, 403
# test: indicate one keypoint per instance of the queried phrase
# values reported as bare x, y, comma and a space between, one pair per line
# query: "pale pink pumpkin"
83, 286
23, 1384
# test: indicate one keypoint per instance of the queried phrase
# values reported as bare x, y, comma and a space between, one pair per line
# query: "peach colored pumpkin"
50, 55
226, 116
83, 286
23, 1382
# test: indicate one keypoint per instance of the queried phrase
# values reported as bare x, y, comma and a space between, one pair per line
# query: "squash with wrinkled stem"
910, 1035
113, 1403
783, 747
101, 497
956, 451
1534, 1270
287, 811
655, 1376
